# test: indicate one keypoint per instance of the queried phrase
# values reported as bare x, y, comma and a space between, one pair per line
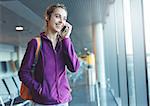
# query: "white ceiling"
29, 13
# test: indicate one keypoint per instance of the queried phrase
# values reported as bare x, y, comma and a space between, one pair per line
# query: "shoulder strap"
38, 39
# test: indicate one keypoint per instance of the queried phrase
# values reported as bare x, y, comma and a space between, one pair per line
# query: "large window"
146, 8
129, 52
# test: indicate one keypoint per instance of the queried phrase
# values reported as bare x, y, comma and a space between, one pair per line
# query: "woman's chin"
58, 30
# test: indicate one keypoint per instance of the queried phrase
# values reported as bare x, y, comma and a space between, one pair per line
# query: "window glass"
129, 52
146, 7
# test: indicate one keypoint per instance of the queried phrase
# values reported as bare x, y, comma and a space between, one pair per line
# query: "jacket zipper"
56, 79
55, 52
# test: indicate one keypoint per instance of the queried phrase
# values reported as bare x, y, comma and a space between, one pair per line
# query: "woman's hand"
67, 31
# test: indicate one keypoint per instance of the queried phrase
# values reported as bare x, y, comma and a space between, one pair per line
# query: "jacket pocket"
45, 90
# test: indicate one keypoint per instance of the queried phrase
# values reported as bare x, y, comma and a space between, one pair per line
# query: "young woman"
50, 85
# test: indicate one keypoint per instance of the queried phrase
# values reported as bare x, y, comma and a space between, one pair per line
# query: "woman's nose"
62, 20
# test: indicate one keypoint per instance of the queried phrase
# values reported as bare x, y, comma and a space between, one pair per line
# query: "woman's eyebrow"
57, 14
60, 15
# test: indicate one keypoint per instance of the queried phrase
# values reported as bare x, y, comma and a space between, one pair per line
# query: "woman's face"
57, 20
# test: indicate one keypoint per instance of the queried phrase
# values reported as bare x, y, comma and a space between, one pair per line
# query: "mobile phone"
63, 29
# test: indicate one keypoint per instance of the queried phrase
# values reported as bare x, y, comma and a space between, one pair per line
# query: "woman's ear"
46, 19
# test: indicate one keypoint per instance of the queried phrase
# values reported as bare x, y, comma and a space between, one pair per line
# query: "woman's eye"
65, 19
57, 16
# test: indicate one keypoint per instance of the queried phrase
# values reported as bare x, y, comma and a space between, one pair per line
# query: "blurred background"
111, 39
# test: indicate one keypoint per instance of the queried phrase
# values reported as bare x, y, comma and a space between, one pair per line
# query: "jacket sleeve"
26, 65
71, 58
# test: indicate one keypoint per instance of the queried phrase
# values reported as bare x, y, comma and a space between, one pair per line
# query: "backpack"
24, 91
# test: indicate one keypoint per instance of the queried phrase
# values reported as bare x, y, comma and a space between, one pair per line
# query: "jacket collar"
43, 35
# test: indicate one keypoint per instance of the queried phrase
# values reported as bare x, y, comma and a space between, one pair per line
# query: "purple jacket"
50, 71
